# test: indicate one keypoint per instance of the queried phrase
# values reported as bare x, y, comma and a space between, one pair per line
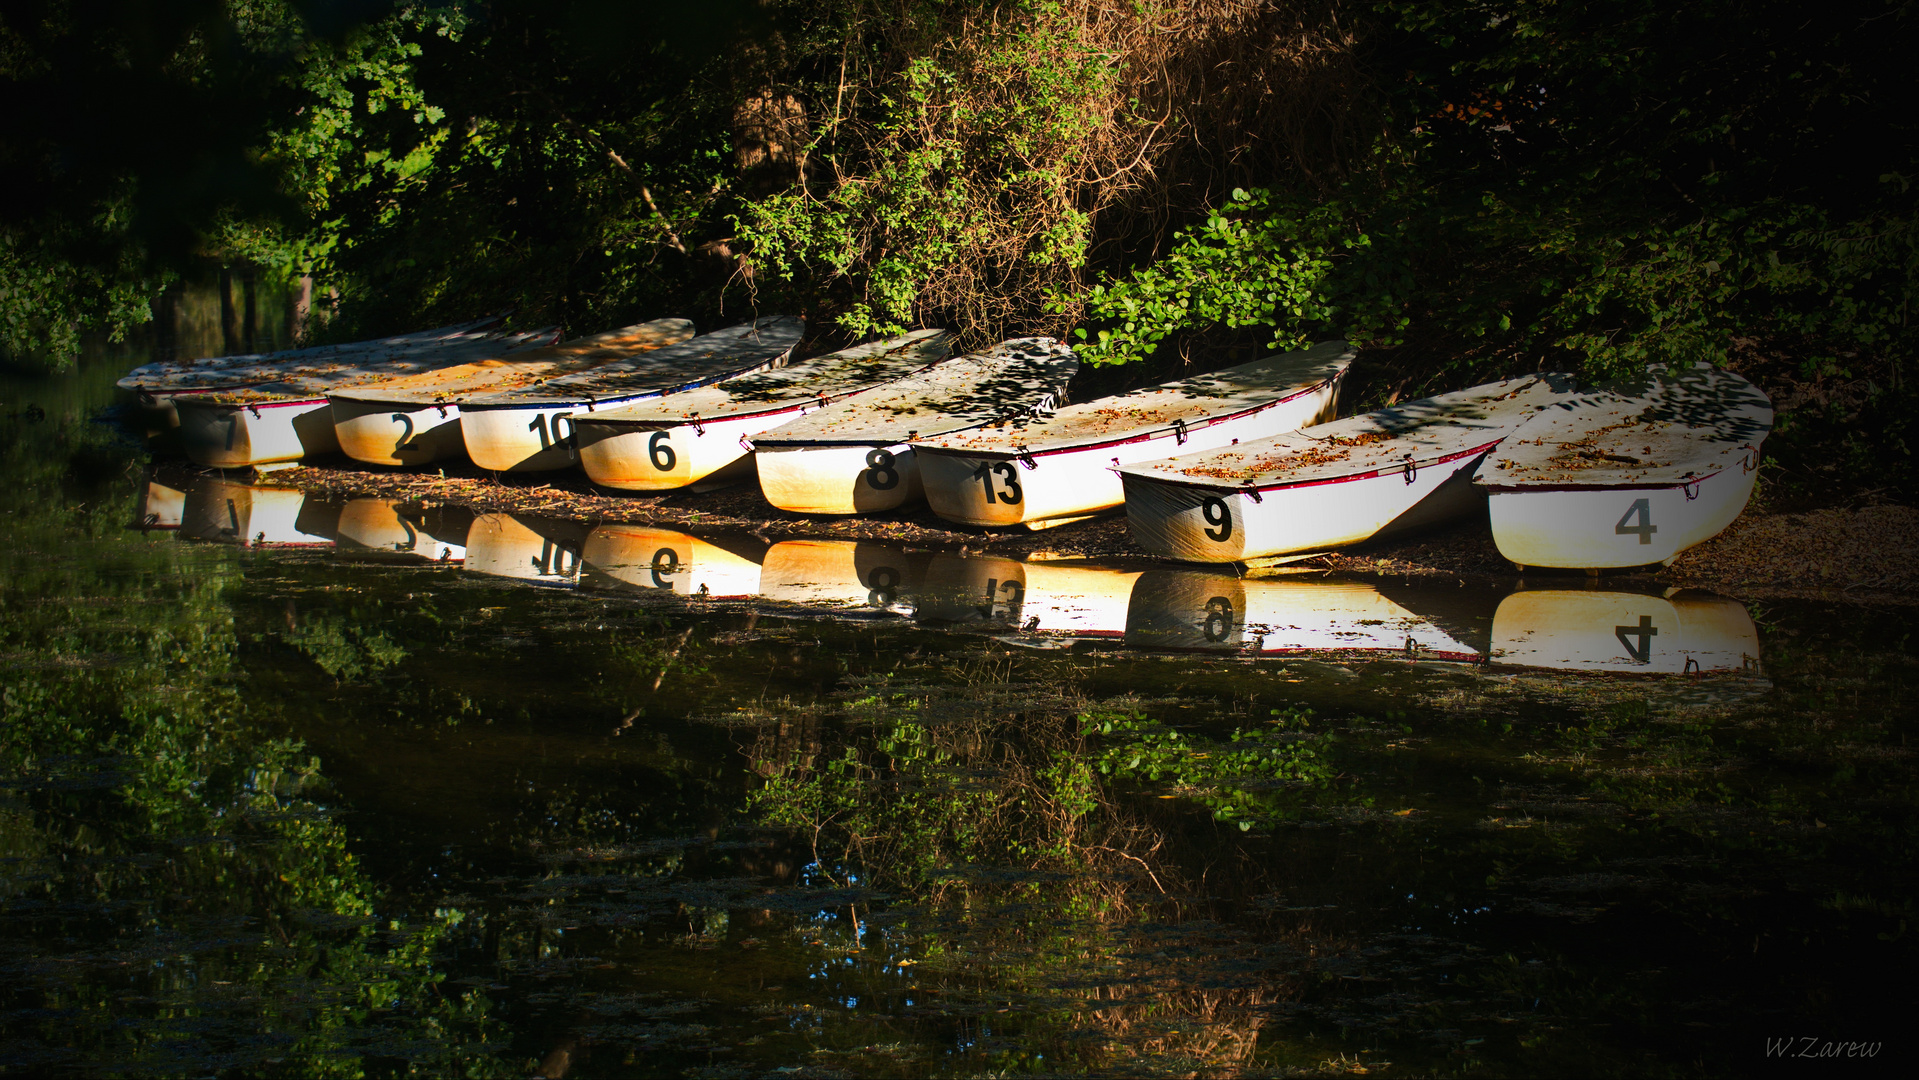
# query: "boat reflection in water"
229, 512
387, 526
1040, 604
1582, 630
1183, 609
646, 557
524, 548
161, 507
1047, 598
844, 573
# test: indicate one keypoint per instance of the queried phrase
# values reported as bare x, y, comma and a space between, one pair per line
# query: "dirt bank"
1863, 555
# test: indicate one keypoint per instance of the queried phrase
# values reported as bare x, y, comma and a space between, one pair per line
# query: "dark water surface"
374, 788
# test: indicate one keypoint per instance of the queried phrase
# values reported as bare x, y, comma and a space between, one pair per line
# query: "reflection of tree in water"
1051, 913
177, 899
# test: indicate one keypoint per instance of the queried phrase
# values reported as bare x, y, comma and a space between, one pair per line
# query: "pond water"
378, 787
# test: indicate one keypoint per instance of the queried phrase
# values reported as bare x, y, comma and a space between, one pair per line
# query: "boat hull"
1595, 528
844, 478
628, 457
536, 438
397, 433
1224, 525
227, 436
1005, 489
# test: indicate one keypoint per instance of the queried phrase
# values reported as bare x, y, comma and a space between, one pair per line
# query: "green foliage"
345, 647
140, 802
1234, 777
49, 295
960, 198
1267, 260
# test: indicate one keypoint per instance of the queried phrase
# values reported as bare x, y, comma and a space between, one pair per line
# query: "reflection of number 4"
1645, 632
1643, 509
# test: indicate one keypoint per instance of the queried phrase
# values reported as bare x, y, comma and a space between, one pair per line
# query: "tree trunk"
229, 319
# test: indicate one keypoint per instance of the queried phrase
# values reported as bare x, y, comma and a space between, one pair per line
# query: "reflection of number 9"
1219, 618
881, 583
666, 563
1215, 512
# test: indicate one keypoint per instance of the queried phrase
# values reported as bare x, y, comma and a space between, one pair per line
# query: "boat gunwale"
559, 401
469, 405
1241, 488
254, 407
667, 423
1683, 482
1153, 433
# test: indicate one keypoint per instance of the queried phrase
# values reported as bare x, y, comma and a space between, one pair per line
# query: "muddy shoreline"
1859, 555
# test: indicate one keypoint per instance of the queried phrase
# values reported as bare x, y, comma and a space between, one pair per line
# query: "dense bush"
1465, 189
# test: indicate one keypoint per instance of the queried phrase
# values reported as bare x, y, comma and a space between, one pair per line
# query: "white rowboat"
531, 428
851, 457
1331, 485
416, 420
285, 417
1629, 474
1046, 470
683, 438
158, 381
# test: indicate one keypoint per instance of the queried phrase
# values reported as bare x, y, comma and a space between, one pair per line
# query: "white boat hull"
839, 478
236, 436
1225, 525
1074, 483
642, 557
525, 438
1582, 630
1597, 528
628, 458
397, 433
